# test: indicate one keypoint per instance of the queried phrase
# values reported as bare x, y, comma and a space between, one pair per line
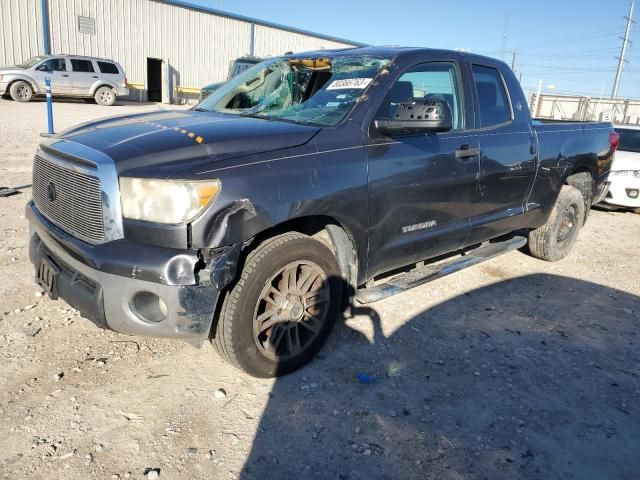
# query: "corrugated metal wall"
20, 30
272, 41
197, 45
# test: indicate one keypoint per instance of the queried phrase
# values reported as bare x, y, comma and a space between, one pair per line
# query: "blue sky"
569, 44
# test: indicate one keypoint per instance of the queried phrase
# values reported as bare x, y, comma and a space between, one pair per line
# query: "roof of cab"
391, 52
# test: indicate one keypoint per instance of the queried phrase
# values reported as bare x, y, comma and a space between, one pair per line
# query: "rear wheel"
280, 312
21, 91
105, 96
553, 240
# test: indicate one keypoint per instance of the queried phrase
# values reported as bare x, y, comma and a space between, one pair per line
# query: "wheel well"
326, 230
33, 87
583, 180
103, 85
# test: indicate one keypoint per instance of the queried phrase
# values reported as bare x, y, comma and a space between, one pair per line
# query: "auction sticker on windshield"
359, 83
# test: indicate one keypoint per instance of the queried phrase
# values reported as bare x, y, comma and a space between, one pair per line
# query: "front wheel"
105, 96
21, 91
553, 240
281, 310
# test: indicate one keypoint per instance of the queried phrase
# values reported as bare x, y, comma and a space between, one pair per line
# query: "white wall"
272, 42
198, 45
20, 31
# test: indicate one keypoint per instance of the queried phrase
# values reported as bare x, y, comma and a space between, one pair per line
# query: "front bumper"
3, 87
112, 300
622, 190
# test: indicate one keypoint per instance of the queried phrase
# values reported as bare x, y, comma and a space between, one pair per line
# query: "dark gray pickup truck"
305, 183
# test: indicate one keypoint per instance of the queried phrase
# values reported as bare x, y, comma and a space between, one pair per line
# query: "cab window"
492, 96
427, 81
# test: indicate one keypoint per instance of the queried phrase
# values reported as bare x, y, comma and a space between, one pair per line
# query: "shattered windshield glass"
318, 90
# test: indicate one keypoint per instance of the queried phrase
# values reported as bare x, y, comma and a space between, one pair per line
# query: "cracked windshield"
318, 91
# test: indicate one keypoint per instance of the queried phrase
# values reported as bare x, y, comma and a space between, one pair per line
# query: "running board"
428, 273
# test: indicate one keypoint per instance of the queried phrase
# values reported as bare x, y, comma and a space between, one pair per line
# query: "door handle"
65, 75
95, 76
465, 151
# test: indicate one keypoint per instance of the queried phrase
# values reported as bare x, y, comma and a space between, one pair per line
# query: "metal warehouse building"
180, 45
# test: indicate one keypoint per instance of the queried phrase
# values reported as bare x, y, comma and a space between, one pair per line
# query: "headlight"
625, 173
165, 201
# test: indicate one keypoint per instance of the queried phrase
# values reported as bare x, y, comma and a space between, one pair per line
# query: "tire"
21, 91
267, 334
553, 240
105, 96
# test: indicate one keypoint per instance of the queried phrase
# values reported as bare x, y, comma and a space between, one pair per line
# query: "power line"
570, 39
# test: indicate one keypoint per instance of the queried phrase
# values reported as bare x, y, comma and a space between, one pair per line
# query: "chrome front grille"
69, 198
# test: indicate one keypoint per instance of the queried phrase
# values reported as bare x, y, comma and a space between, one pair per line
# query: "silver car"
90, 78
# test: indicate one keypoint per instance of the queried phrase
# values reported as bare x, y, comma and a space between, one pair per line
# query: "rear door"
420, 191
83, 76
508, 160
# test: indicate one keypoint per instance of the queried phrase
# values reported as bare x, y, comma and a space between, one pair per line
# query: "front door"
56, 70
420, 190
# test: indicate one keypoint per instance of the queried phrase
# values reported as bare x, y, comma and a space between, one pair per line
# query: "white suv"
624, 178
71, 76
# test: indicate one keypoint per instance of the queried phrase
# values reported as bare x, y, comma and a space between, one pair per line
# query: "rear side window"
108, 67
81, 65
492, 96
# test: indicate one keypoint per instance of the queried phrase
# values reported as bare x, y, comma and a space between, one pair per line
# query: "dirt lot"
513, 369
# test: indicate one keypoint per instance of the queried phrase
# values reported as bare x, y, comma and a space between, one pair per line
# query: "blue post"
47, 83
45, 27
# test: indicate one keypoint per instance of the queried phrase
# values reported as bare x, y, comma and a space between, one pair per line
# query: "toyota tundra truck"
306, 183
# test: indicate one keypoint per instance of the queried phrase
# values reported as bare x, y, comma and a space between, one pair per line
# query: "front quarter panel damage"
326, 177
198, 303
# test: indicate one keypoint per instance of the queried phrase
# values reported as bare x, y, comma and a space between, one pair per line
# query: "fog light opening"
149, 307
632, 193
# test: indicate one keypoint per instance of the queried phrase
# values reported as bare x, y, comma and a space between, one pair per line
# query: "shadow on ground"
535, 377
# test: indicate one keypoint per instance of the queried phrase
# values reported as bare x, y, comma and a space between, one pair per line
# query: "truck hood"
162, 143
626, 161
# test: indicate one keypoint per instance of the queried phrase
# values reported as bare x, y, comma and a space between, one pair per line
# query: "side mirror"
417, 116
43, 68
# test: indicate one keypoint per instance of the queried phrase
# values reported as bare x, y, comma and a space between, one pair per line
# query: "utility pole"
503, 46
513, 61
534, 113
621, 60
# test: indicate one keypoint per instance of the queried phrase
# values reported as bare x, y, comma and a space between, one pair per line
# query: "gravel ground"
513, 369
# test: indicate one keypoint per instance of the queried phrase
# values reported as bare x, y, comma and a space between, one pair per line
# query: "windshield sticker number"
359, 83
